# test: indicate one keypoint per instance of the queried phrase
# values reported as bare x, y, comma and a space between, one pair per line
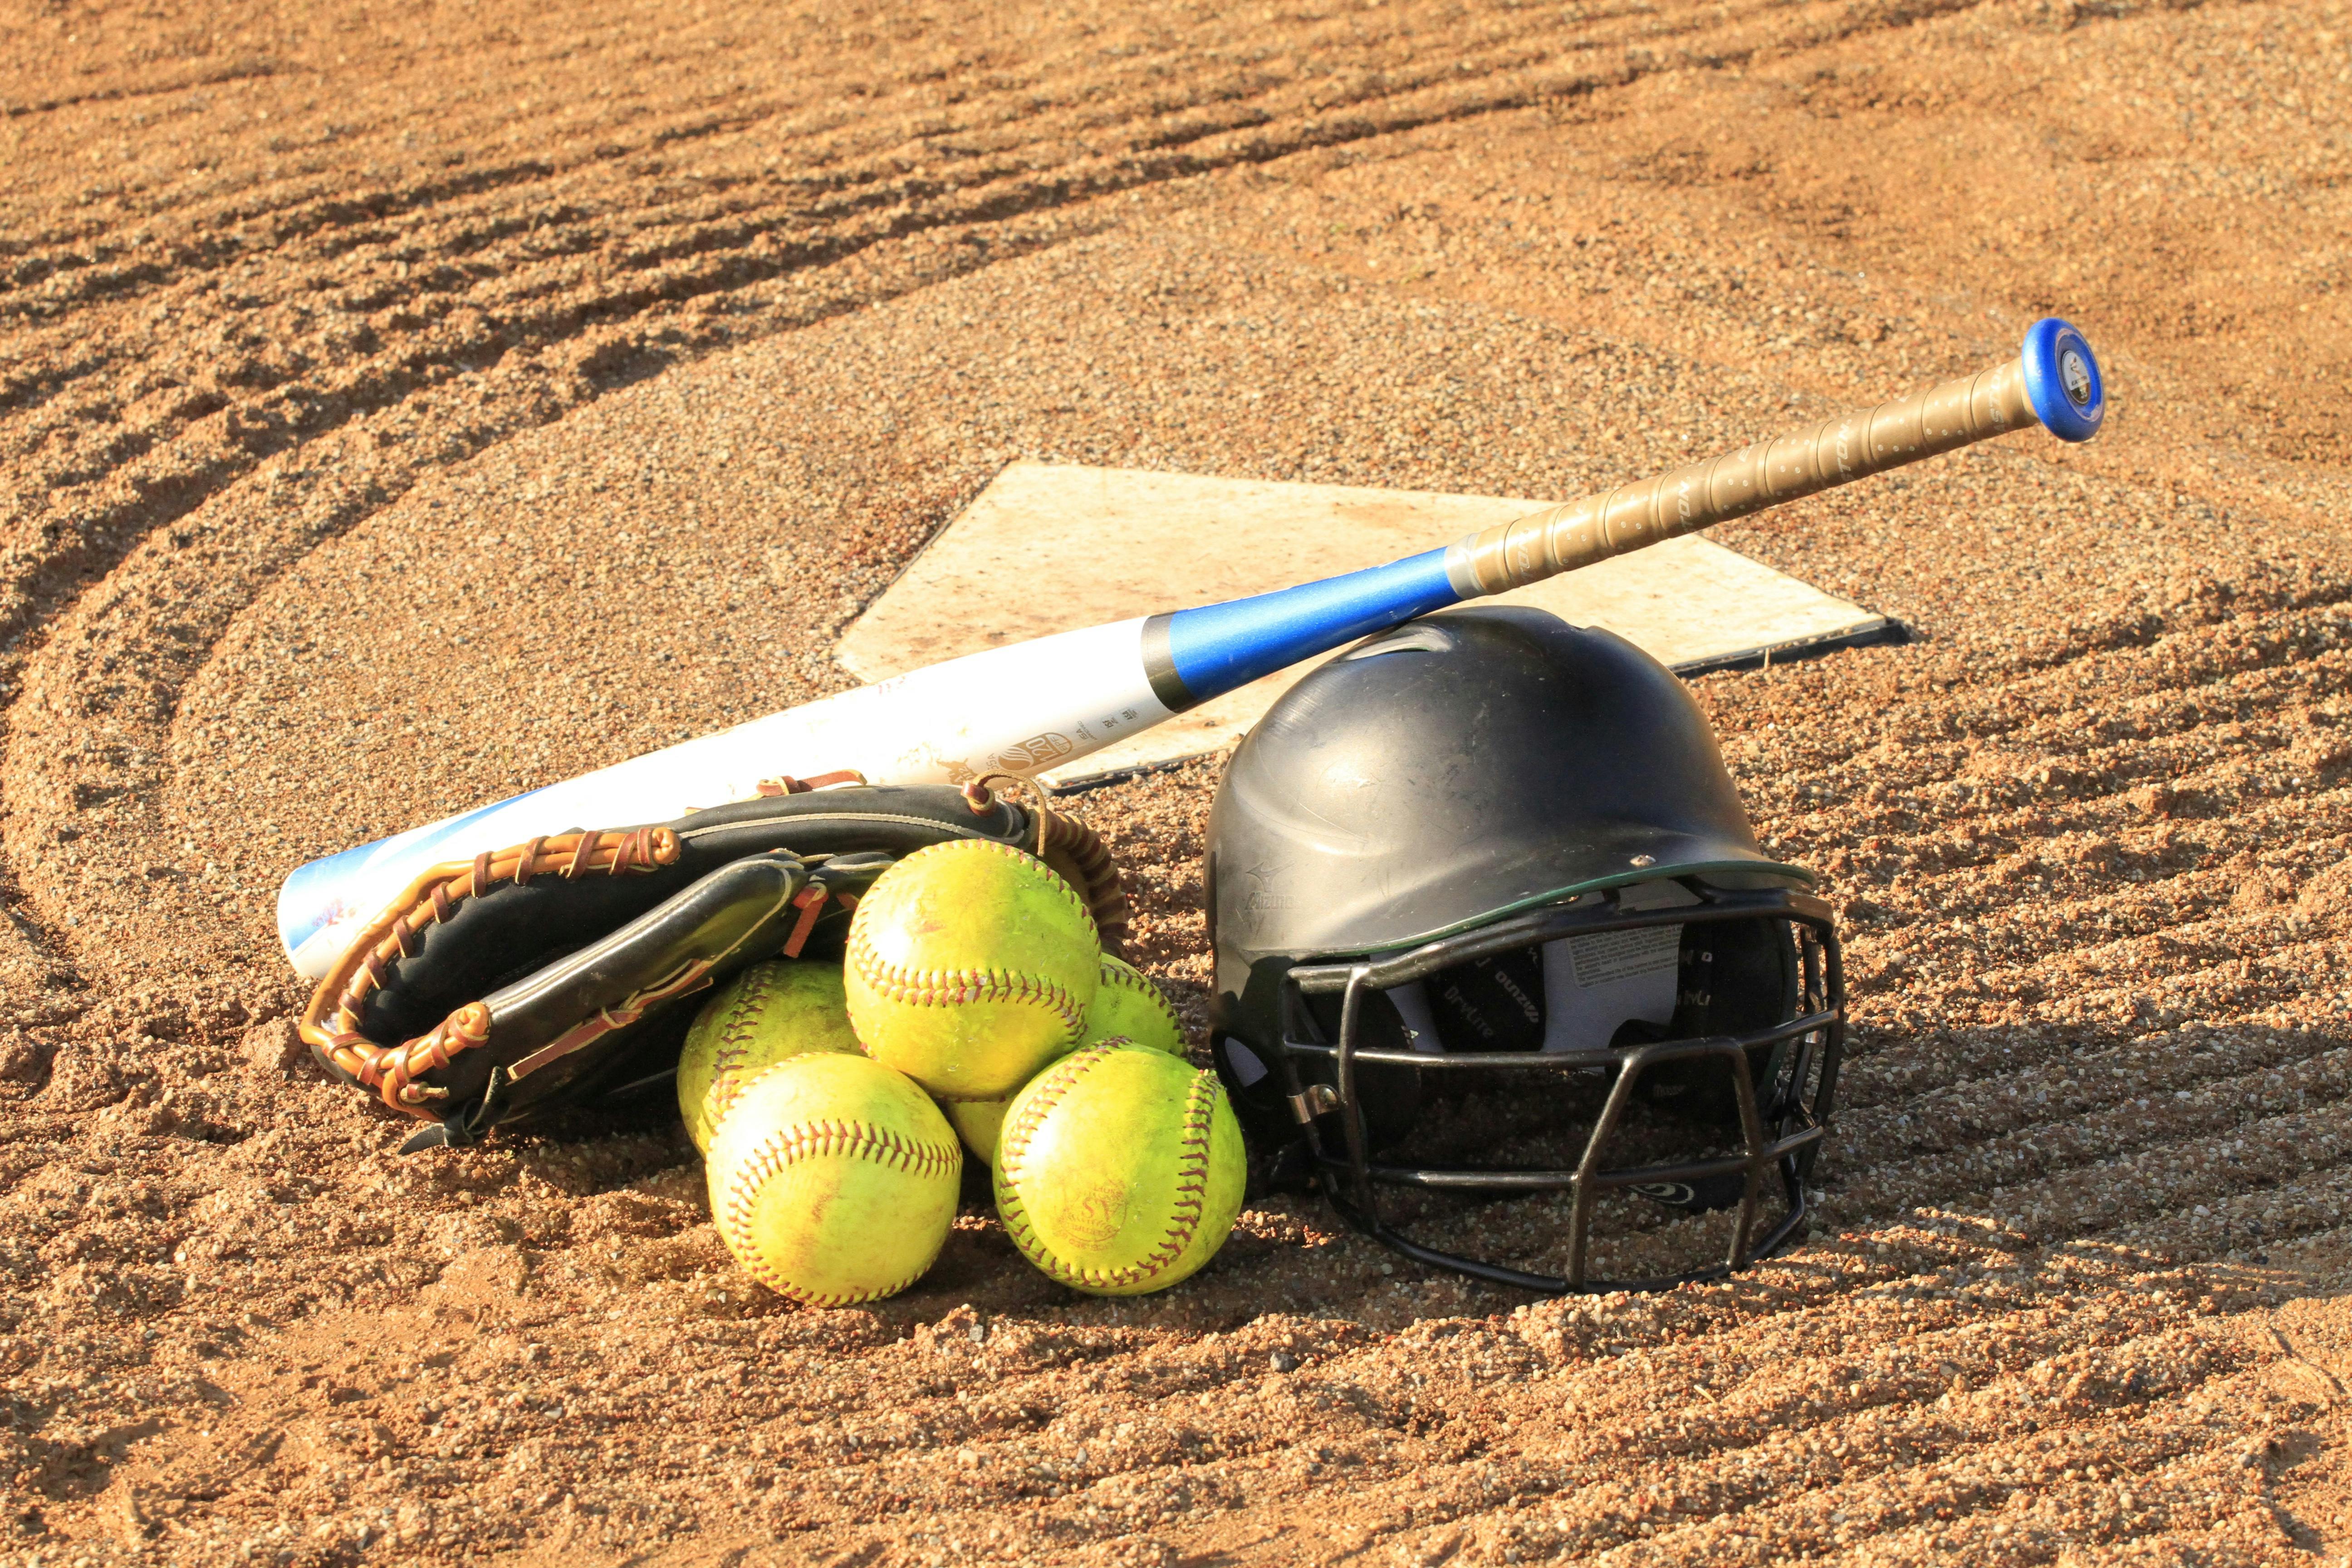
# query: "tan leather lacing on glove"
784, 783
1076, 852
331, 1022
810, 904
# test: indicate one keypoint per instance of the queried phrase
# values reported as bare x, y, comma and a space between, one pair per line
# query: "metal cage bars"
1817, 1031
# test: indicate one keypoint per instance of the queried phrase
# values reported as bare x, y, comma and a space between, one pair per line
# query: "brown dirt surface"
403, 402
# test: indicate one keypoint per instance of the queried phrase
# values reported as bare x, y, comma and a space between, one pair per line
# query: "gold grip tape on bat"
1837, 451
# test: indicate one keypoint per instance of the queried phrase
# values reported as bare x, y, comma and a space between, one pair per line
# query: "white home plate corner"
1049, 548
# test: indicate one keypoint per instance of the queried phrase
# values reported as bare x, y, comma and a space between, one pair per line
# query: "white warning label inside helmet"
1608, 956
1595, 985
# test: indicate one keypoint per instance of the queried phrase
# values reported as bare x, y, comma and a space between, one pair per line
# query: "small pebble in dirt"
1283, 1361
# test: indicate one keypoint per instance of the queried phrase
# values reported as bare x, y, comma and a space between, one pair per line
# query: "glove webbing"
1106, 897
1066, 841
391, 1070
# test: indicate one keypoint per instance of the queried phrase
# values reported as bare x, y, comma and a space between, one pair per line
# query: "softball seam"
734, 1044
1191, 1177
1125, 977
788, 1145
957, 987
1013, 1142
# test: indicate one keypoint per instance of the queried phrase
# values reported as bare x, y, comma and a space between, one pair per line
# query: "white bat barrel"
1014, 710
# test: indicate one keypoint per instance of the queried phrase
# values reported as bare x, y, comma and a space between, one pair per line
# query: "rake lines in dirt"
732, 240
2097, 1169
1780, 1444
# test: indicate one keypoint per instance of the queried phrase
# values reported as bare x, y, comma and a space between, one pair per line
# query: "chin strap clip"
1314, 1100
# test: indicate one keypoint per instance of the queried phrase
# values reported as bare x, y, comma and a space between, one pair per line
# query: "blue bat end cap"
2062, 379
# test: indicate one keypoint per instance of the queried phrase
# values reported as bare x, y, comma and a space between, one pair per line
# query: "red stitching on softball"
1126, 976
1013, 1139
735, 1044
956, 987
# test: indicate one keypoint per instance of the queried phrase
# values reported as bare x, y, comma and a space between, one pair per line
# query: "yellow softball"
1119, 1169
834, 1180
1128, 1006
764, 1015
977, 1123
970, 965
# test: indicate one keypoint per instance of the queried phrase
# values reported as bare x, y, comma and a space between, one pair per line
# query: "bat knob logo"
2074, 375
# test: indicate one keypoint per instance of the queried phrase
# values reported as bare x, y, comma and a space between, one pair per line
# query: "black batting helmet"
1489, 850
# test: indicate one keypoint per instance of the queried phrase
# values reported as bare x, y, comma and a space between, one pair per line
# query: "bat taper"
2055, 382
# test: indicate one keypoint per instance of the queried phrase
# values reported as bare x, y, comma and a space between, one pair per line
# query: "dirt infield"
401, 406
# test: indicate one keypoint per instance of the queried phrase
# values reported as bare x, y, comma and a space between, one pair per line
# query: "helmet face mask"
1706, 1113
1490, 924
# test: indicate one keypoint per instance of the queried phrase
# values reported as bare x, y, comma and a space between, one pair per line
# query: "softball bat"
1043, 704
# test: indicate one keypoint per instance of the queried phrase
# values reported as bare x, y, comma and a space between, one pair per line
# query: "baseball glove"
552, 974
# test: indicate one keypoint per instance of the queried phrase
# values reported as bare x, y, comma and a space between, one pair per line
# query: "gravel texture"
403, 405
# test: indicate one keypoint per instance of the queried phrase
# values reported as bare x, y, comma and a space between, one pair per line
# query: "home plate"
1049, 548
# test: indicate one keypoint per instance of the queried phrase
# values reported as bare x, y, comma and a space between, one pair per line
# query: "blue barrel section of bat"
1192, 656
2063, 380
